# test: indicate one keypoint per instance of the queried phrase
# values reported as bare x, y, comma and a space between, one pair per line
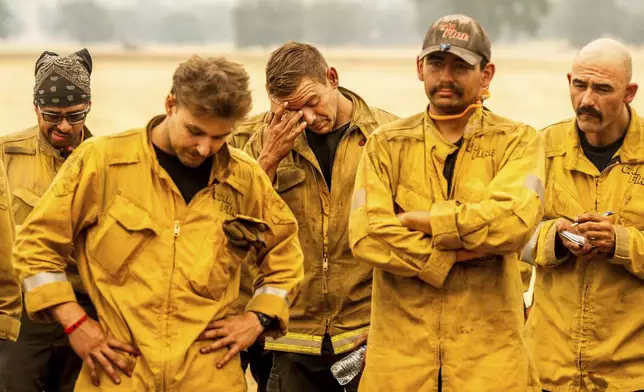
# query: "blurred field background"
128, 89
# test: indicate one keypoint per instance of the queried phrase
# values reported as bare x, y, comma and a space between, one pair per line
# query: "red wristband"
73, 327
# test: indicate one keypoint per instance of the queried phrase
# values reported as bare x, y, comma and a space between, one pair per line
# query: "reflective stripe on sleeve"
43, 278
271, 290
533, 183
528, 249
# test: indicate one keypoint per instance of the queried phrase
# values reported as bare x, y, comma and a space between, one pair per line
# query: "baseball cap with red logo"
460, 35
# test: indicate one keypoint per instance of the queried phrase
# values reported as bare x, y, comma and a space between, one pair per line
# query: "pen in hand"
607, 213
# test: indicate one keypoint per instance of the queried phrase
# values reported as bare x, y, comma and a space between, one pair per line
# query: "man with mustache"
161, 218
310, 149
443, 203
42, 359
585, 328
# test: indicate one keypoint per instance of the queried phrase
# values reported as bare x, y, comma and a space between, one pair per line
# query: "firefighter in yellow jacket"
10, 297
444, 202
42, 358
586, 329
311, 150
160, 219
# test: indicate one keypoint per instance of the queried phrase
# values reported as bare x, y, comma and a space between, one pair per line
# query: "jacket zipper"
585, 291
176, 231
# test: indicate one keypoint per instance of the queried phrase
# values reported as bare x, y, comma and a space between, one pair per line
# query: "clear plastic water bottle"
349, 367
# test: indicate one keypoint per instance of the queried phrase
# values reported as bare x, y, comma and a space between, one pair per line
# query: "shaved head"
607, 55
601, 89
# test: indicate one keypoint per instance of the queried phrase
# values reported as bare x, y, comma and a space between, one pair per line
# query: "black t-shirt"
450, 162
189, 180
324, 147
599, 156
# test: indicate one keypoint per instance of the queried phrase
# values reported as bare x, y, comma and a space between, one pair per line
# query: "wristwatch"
265, 320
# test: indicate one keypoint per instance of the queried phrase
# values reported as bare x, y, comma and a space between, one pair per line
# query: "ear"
420, 63
36, 109
569, 78
170, 104
487, 75
332, 77
89, 106
631, 90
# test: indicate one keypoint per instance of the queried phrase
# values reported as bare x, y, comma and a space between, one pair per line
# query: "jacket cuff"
272, 305
9, 328
444, 229
40, 299
549, 248
622, 246
437, 267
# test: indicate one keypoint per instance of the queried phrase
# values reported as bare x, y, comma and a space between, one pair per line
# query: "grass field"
128, 89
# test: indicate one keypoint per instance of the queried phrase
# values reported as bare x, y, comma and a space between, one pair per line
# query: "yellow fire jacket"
31, 165
586, 329
10, 297
431, 315
335, 297
157, 270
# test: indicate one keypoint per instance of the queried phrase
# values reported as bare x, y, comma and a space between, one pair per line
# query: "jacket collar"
632, 151
222, 164
49, 150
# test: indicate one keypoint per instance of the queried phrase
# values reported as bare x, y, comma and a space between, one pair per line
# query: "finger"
588, 217
598, 235
209, 334
118, 361
248, 234
219, 344
590, 226
233, 230
217, 324
93, 373
570, 245
277, 116
293, 120
297, 131
107, 366
229, 355
113, 343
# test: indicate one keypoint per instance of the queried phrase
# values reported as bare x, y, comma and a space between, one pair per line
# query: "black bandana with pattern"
63, 81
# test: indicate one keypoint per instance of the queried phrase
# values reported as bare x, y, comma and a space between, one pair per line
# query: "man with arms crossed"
444, 201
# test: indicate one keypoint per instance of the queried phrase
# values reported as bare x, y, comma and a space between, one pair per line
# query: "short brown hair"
212, 87
289, 64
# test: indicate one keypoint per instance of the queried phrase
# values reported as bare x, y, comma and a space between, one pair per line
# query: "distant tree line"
265, 23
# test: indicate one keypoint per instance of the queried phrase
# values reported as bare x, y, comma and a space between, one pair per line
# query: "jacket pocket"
219, 262
121, 236
563, 202
23, 202
290, 185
